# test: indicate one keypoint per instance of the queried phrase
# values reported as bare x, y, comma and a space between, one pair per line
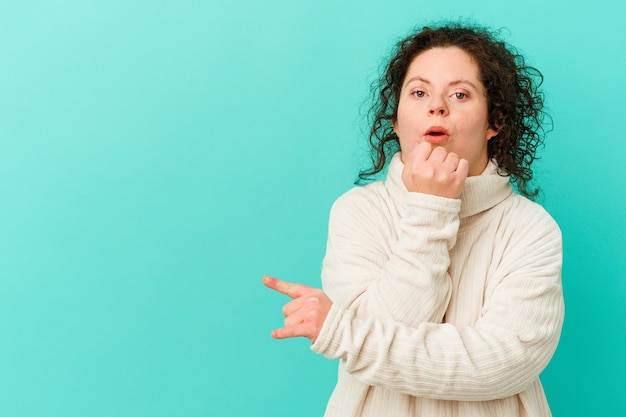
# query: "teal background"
157, 158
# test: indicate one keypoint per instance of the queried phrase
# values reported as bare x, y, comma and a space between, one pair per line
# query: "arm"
370, 273
500, 355
407, 282
378, 271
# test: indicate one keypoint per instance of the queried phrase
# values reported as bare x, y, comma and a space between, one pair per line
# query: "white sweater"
442, 307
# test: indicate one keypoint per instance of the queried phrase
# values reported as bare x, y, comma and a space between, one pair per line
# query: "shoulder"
362, 205
373, 196
530, 220
360, 199
526, 209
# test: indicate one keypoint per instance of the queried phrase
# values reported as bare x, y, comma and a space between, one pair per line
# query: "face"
443, 102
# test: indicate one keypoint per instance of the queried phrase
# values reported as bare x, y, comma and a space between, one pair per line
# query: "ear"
395, 126
491, 133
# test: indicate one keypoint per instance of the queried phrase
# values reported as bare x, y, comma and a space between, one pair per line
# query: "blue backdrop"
157, 158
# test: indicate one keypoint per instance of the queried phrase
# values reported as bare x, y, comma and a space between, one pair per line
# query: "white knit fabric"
442, 307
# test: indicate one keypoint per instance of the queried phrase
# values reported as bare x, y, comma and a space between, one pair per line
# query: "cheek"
473, 125
405, 124
406, 144
399, 122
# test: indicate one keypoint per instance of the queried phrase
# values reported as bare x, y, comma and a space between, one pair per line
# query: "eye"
418, 93
460, 95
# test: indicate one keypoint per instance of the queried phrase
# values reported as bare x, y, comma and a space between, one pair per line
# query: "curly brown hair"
515, 104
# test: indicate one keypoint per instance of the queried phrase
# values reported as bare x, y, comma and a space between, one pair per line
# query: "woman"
442, 286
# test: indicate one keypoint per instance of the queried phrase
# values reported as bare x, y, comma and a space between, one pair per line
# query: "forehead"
443, 63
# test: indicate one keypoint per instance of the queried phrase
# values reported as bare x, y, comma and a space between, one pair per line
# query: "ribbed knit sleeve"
402, 277
498, 355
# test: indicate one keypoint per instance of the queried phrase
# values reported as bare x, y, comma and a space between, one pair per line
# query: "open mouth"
437, 135
436, 131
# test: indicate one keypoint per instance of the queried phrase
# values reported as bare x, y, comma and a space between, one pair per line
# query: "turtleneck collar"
480, 192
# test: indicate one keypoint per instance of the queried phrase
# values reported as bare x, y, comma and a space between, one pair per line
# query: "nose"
437, 106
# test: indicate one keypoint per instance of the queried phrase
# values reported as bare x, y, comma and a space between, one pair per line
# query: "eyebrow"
451, 83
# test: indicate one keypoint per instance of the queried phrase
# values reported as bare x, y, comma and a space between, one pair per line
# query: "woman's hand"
433, 170
305, 314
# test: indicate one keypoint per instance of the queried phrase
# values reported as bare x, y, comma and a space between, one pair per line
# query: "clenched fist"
433, 170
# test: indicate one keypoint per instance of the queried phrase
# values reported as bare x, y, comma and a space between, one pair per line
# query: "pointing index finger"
289, 289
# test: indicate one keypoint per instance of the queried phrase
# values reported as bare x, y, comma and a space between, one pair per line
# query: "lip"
436, 135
